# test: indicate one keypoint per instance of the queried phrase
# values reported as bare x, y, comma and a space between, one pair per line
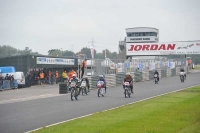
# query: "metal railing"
8, 85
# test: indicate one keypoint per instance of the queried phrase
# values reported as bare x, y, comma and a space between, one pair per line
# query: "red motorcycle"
100, 88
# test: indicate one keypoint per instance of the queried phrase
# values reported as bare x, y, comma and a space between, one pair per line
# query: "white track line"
110, 109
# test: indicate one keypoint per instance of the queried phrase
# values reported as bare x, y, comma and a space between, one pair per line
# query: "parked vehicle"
100, 88
19, 76
7, 69
127, 89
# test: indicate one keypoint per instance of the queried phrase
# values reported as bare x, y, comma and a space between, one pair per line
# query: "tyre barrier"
63, 88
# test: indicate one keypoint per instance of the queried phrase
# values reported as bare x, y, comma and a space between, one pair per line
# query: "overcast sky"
42, 25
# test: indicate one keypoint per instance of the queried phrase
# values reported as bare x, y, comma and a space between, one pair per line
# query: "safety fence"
113, 66
8, 85
138, 76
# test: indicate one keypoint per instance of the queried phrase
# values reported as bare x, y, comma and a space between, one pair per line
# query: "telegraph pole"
92, 42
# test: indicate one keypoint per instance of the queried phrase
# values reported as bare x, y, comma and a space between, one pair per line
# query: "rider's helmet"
128, 74
100, 77
74, 76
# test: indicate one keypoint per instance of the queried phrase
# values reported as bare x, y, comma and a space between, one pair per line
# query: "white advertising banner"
152, 66
162, 48
59, 61
171, 65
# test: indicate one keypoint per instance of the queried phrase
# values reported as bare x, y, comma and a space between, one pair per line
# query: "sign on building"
162, 48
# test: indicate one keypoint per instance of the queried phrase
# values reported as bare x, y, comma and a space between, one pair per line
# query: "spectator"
70, 75
49, 77
6, 77
1, 82
26, 80
52, 78
64, 75
41, 77
12, 81
57, 76
83, 66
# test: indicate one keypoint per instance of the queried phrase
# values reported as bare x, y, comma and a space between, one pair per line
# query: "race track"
18, 116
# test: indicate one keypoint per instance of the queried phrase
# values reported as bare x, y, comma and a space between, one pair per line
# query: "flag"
79, 55
92, 51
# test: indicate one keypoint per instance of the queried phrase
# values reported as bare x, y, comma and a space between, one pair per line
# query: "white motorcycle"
127, 89
83, 88
156, 78
182, 76
100, 88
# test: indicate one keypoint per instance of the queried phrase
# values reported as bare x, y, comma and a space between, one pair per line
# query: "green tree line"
84, 51
6, 50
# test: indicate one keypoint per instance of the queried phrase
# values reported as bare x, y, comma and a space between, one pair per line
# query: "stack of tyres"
63, 88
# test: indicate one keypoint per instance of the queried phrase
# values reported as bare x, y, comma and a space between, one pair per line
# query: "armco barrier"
120, 78
94, 81
168, 72
163, 73
173, 72
151, 75
145, 75
138, 76
110, 80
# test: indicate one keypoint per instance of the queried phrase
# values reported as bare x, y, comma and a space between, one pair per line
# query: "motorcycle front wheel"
72, 94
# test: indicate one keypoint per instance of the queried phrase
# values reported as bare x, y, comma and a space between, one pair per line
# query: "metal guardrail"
8, 85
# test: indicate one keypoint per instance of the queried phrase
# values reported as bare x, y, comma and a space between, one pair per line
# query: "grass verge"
197, 67
172, 113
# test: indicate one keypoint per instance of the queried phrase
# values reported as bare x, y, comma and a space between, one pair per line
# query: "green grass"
197, 67
172, 113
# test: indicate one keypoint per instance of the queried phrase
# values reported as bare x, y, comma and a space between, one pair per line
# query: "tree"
26, 51
68, 53
87, 52
6, 50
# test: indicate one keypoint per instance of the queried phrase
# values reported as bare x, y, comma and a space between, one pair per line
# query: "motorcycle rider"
129, 79
182, 70
156, 72
101, 78
76, 80
87, 82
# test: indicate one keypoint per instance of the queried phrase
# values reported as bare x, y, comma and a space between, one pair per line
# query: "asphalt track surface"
24, 114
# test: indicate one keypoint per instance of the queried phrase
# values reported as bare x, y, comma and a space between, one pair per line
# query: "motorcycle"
156, 78
83, 88
74, 93
100, 88
182, 76
127, 89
